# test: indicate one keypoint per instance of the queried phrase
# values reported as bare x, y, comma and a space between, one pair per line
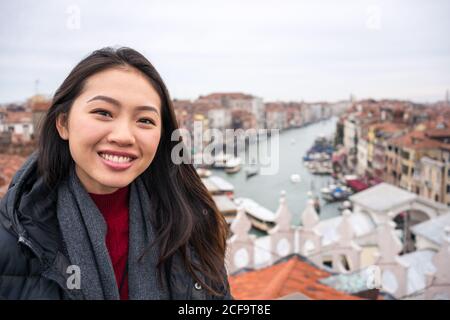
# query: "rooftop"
388, 126
438, 133
229, 95
420, 264
415, 140
361, 224
293, 276
9, 164
392, 197
41, 106
18, 117
433, 229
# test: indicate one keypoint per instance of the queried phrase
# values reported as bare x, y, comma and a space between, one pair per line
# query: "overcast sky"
278, 50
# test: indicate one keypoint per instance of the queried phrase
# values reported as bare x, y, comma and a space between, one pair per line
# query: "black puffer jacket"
32, 263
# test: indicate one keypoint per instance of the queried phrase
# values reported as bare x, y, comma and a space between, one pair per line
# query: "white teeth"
113, 158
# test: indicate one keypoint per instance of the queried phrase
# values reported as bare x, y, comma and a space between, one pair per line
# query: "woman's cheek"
156, 141
151, 141
91, 129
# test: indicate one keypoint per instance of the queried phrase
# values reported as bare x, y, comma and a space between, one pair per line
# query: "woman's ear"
61, 126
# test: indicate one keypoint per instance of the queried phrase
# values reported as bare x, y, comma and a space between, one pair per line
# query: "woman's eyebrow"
118, 104
148, 108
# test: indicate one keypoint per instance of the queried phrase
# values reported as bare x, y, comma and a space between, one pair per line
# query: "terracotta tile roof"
389, 126
446, 146
9, 164
367, 115
277, 107
39, 103
181, 103
41, 106
242, 114
205, 106
415, 140
230, 95
18, 117
282, 279
438, 133
438, 123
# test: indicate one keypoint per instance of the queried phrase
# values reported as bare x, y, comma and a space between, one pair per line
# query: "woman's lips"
115, 165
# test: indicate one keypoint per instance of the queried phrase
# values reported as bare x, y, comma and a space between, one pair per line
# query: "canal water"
266, 189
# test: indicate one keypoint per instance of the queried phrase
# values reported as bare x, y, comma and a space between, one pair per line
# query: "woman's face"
113, 129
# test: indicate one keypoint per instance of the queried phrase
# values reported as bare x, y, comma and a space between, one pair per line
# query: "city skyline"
288, 52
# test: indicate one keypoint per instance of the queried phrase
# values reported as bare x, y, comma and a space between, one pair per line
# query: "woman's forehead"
128, 86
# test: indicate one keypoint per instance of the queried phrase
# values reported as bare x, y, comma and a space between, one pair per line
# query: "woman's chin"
114, 184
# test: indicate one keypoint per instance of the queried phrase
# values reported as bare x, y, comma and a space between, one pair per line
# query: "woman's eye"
103, 113
147, 121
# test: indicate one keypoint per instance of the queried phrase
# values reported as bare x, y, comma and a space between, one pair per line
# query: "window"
327, 261
405, 154
405, 169
344, 263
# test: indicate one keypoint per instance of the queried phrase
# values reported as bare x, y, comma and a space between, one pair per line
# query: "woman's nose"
121, 134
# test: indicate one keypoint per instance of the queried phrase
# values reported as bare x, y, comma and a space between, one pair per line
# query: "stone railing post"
438, 283
240, 246
283, 234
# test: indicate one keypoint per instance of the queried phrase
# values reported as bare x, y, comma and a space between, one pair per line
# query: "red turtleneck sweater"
114, 207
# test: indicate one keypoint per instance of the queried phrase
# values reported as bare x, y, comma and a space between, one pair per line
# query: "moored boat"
233, 165
261, 218
203, 173
251, 171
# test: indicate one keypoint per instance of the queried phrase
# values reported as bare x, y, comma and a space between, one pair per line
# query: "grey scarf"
84, 231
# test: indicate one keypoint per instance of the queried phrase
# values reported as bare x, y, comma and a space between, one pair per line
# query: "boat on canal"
203, 173
260, 217
320, 167
336, 192
233, 165
251, 171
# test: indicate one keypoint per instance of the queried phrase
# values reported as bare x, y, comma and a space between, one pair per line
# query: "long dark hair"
189, 217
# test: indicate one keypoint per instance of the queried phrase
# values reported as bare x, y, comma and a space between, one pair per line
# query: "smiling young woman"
100, 211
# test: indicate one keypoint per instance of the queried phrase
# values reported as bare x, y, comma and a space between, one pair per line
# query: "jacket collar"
29, 214
27, 202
